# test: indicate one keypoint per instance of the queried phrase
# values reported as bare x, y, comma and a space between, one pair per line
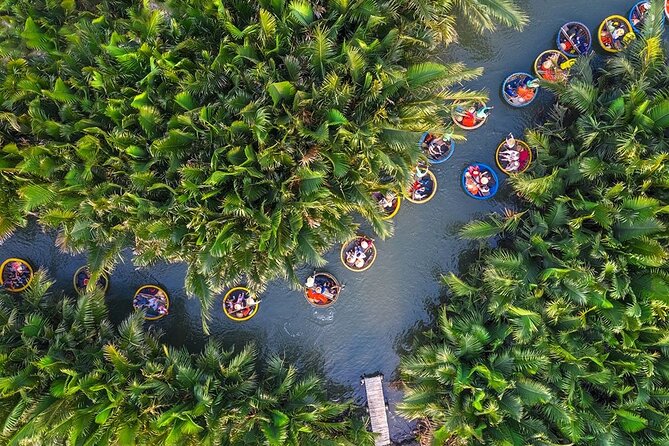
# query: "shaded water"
373, 319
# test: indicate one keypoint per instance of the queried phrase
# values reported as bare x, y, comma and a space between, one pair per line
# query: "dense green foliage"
68, 377
236, 136
561, 334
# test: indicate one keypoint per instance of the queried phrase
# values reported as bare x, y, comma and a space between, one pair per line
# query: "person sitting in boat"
511, 89
509, 155
526, 90
548, 70
332, 288
510, 141
466, 117
483, 112
419, 194
436, 148
471, 185
618, 37
385, 201
640, 13
421, 170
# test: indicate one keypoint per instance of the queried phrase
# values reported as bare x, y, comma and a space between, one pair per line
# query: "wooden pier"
376, 402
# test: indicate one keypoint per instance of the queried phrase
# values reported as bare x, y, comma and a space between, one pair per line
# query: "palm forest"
248, 140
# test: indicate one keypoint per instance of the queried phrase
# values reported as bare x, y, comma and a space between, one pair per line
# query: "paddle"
566, 34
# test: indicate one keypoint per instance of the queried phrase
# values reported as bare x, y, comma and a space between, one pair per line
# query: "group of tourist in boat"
637, 15
470, 117
553, 66
239, 304
16, 274
513, 156
322, 289
520, 89
574, 39
479, 180
437, 149
423, 185
82, 278
359, 253
388, 201
153, 301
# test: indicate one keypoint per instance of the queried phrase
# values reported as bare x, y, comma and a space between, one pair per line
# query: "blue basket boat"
436, 149
519, 90
574, 39
637, 15
480, 181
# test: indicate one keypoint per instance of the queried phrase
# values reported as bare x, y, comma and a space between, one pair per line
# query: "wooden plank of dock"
376, 402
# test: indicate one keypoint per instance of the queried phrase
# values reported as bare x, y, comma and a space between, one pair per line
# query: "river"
372, 322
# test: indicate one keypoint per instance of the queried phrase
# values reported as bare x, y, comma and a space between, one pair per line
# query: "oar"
569, 39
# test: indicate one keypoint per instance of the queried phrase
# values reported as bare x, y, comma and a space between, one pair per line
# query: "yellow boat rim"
623, 29
368, 252
558, 69
413, 189
160, 294
11, 280
253, 307
524, 162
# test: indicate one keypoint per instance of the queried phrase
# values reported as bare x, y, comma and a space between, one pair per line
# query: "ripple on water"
291, 330
323, 316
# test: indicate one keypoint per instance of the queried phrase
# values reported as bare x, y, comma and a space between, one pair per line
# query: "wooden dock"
376, 402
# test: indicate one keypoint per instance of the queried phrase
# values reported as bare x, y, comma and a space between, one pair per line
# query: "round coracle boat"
389, 203
423, 186
358, 254
553, 66
480, 181
239, 304
615, 33
470, 116
82, 278
153, 300
574, 39
436, 149
16, 274
520, 89
322, 289
638, 14
513, 156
